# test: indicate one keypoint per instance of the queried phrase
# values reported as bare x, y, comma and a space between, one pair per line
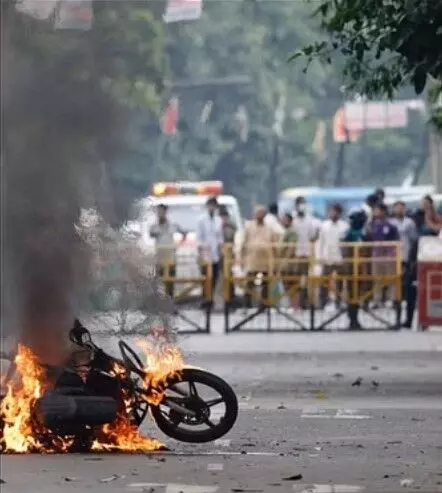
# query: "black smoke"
59, 129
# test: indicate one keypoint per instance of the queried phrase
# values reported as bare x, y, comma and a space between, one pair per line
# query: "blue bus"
319, 199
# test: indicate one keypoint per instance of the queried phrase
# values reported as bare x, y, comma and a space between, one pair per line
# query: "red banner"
169, 120
183, 10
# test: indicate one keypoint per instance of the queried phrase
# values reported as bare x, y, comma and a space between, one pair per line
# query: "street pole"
274, 172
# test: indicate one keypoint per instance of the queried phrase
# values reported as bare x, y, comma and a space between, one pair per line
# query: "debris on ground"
242, 490
357, 382
375, 368
406, 483
338, 375
320, 394
375, 383
281, 406
70, 480
111, 478
2, 481
295, 477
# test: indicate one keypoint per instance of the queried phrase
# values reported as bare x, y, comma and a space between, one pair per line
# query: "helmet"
357, 217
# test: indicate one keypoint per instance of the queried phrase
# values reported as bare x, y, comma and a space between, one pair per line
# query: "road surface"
304, 425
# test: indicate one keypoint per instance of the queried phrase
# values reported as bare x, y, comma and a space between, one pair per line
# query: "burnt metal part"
55, 410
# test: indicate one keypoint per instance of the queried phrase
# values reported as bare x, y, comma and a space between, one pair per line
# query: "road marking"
327, 488
340, 414
223, 442
350, 414
175, 488
215, 467
217, 453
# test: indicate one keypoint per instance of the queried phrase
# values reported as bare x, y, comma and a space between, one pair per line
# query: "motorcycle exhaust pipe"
54, 410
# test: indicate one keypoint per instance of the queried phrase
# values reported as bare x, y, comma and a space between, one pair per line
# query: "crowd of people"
291, 235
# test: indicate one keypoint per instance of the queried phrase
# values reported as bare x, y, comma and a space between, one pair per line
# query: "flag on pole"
319, 141
207, 110
74, 14
183, 10
340, 132
169, 120
242, 118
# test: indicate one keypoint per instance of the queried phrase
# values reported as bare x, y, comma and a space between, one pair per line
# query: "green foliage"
385, 44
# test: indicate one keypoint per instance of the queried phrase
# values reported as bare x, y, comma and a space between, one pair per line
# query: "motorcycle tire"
200, 436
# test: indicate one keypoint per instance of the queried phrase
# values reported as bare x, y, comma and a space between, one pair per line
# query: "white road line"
340, 414
217, 453
175, 488
223, 442
215, 467
327, 488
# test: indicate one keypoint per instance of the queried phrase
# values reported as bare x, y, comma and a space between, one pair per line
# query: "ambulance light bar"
188, 188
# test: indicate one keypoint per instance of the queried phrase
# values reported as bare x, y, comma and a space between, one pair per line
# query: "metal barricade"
187, 279
288, 293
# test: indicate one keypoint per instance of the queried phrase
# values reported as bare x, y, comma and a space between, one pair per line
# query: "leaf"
419, 80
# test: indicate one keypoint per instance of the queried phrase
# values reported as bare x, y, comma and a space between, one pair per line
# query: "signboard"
183, 10
376, 115
430, 281
74, 14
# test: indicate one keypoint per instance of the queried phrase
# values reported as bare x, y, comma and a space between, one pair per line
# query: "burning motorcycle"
97, 402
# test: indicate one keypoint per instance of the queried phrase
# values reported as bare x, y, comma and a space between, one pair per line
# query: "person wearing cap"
163, 231
210, 237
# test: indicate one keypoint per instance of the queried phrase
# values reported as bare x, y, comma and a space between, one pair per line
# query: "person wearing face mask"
306, 228
257, 252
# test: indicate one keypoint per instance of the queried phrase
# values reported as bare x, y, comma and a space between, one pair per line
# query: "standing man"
210, 239
286, 254
257, 252
383, 258
227, 259
355, 234
306, 229
332, 232
163, 232
408, 236
273, 222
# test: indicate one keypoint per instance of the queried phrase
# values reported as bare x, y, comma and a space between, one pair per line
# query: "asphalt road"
301, 417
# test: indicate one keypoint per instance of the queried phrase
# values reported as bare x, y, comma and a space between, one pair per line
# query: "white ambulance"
185, 203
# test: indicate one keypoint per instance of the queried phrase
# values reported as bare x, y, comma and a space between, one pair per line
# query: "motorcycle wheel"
169, 420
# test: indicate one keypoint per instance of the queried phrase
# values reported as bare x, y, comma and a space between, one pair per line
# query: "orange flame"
21, 434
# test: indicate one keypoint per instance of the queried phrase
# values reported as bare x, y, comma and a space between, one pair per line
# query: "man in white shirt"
272, 220
306, 229
163, 231
331, 234
210, 237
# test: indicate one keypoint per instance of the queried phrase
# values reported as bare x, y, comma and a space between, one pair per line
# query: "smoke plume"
58, 126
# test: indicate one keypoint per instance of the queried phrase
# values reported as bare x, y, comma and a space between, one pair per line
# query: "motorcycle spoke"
192, 389
214, 402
